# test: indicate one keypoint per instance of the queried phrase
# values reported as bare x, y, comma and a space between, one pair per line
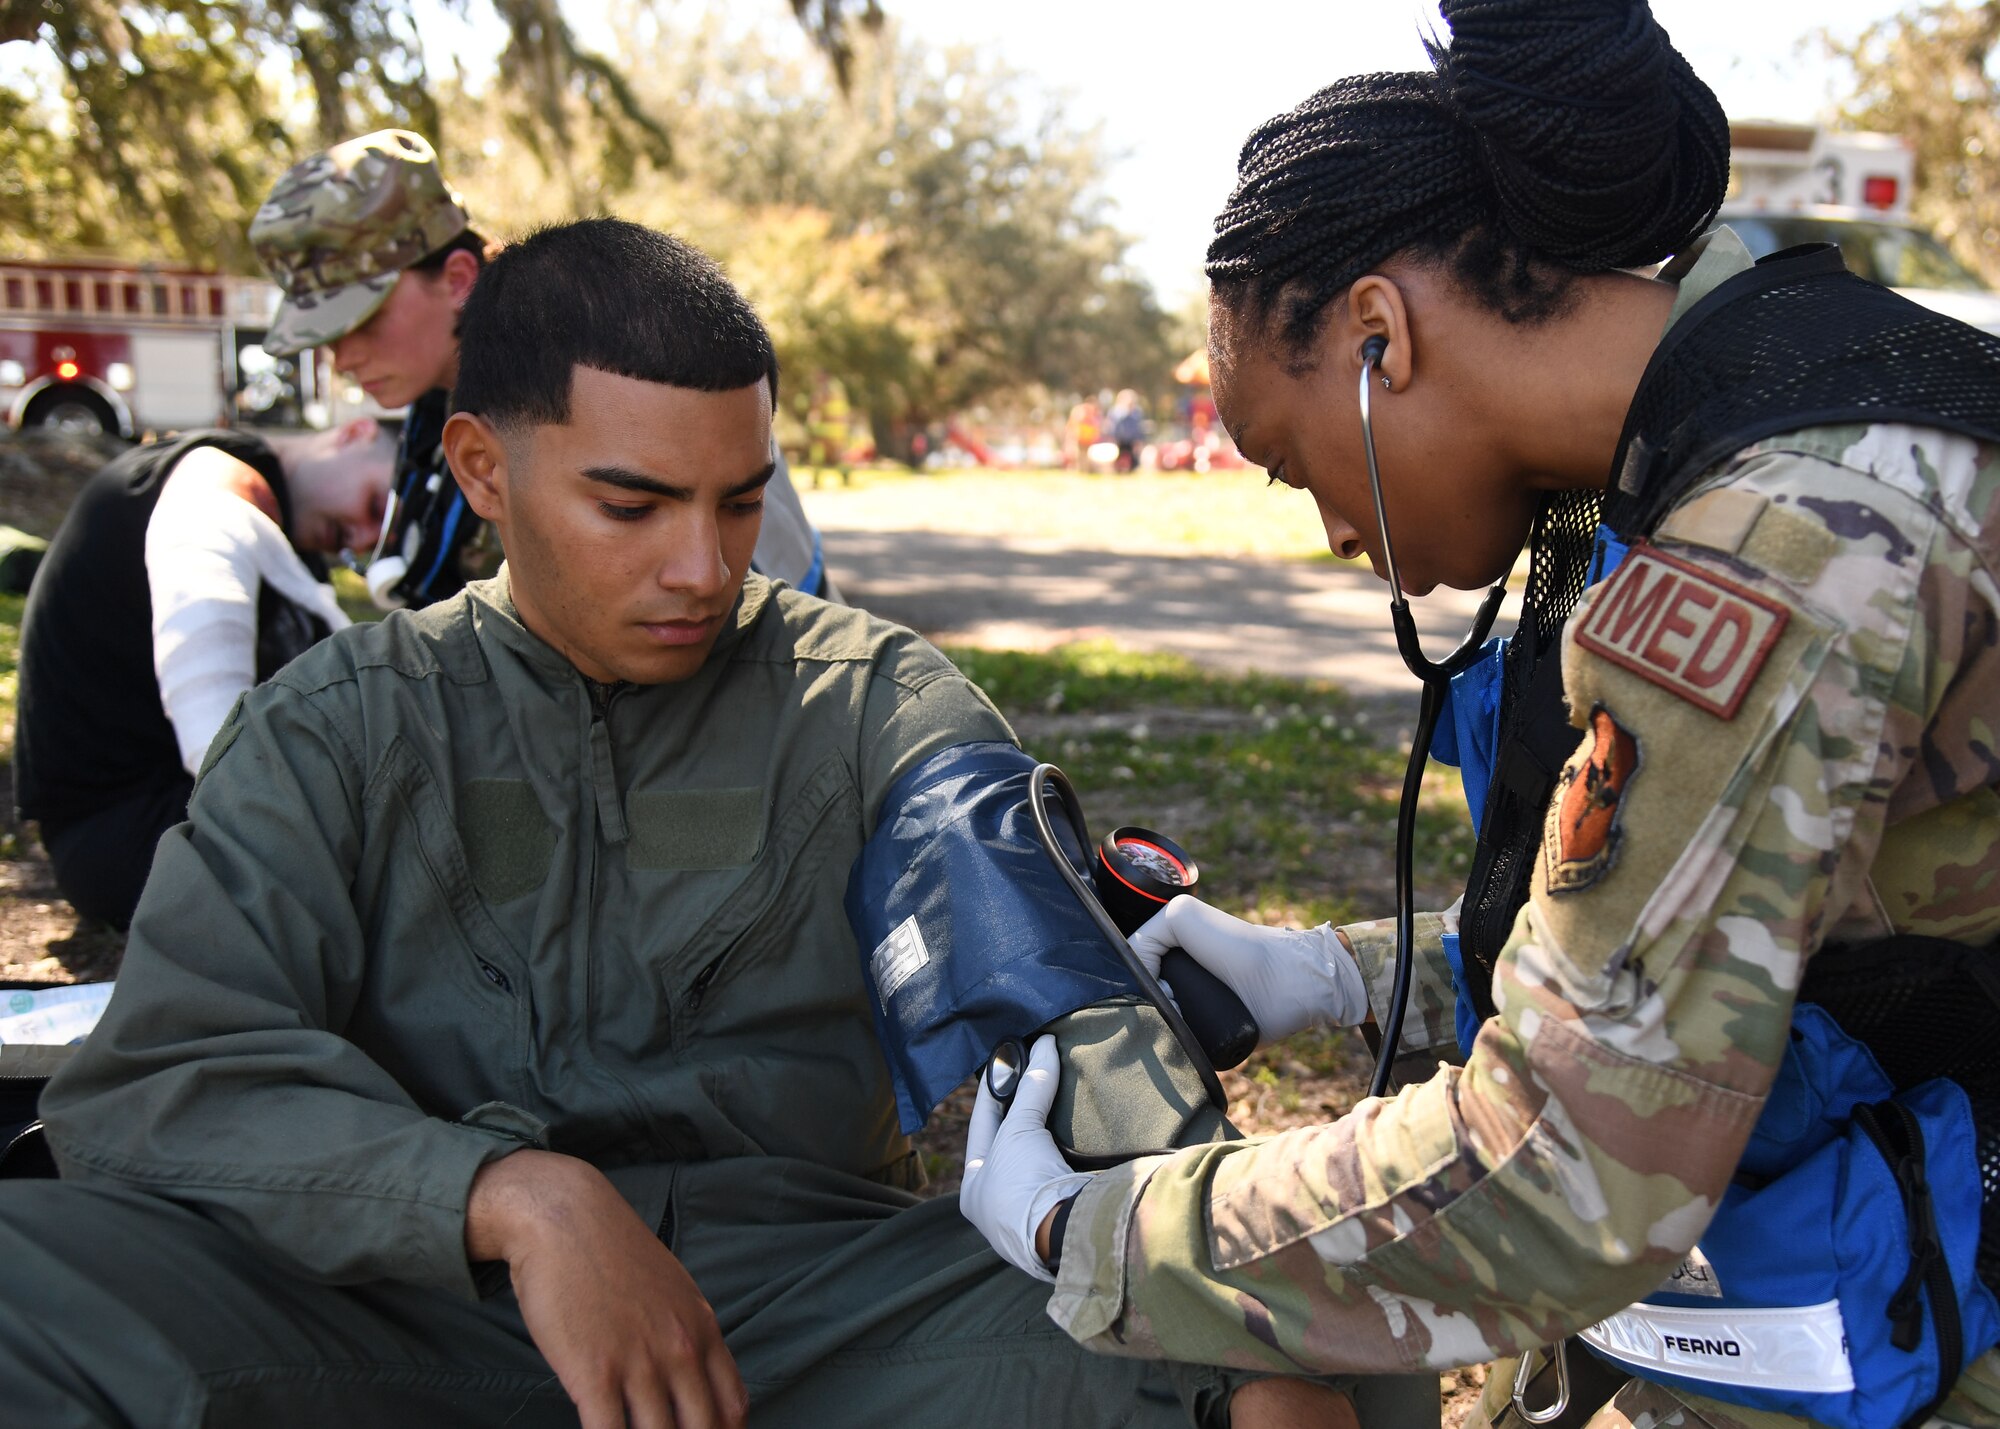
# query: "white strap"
1800, 1348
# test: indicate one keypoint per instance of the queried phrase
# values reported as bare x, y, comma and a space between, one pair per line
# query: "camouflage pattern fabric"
341, 226
1644, 998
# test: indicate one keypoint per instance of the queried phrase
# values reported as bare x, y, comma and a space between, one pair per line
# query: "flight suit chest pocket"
816, 827
433, 884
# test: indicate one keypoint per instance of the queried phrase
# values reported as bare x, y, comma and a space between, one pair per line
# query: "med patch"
1580, 833
1684, 628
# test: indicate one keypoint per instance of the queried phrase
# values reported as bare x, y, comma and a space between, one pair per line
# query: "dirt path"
1311, 619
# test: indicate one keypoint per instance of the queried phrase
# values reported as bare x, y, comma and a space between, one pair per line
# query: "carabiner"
1524, 1375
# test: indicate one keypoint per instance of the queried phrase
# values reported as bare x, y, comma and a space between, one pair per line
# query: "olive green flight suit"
440, 897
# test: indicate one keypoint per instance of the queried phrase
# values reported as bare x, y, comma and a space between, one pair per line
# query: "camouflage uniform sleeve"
1428, 1023
1721, 812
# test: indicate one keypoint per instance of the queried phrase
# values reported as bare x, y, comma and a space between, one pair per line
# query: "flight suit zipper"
610, 815
698, 989
603, 771
612, 827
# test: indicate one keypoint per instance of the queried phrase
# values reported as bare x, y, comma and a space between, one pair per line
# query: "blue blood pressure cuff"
1837, 1280
968, 933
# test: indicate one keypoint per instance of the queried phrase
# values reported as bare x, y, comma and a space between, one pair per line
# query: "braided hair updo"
1555, 138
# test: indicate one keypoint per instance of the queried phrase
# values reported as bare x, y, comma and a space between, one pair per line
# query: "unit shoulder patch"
1580, 837
1684, 628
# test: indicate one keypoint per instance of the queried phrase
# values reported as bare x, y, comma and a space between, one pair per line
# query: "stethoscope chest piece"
1005, 1070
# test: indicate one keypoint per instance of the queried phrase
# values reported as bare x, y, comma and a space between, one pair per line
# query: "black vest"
1795, 342
448, 549
91, 731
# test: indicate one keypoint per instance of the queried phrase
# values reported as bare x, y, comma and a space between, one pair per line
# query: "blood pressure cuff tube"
968, 933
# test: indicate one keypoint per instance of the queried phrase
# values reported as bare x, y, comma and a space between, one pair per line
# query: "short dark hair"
608, 294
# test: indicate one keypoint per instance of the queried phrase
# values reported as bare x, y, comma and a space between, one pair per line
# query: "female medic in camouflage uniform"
1779, 744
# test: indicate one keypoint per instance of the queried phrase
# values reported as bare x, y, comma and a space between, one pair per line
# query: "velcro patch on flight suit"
694, 830
1684, 629
1581, 831
509, 841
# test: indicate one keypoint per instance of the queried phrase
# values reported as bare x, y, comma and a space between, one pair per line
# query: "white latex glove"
1014, 1175
1289, 978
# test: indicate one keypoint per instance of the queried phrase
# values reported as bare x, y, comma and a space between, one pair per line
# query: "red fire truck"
131, 348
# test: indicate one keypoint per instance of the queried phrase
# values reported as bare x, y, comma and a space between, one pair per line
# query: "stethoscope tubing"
1435, 677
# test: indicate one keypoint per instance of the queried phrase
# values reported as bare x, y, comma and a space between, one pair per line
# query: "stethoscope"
1436, 677
1010, 1059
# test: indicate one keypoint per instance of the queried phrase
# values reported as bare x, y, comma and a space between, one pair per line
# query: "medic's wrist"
1049, 1235
1346, 1000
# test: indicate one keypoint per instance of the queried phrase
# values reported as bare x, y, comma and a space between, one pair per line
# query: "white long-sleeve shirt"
208, 552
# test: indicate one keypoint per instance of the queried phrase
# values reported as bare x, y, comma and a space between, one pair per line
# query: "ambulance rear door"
178, 379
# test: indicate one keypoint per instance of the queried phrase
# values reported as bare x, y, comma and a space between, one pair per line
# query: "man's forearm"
527, 1193
619, 1319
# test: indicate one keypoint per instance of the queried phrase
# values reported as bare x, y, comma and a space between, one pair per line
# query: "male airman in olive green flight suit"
543, 881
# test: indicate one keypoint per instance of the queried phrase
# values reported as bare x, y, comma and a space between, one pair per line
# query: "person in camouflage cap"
1777, 749
340, 230
376, 255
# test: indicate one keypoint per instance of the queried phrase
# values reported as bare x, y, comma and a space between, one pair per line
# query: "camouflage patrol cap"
340, 226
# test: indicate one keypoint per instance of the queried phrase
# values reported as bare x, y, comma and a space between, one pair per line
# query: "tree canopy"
923, 226
1927, 74
174, 117
934, 238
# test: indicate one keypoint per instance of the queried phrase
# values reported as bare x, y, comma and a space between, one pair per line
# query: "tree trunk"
905, 438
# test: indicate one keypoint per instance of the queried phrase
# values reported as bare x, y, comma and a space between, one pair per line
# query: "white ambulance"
1795, 183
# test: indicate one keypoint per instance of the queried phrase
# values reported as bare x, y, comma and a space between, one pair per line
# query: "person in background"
1127, 421
1080, 433
186, 572
375, 255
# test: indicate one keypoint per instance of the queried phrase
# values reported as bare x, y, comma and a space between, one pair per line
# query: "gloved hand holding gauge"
1290, 978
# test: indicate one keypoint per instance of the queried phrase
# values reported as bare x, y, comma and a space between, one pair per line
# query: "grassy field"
10, 654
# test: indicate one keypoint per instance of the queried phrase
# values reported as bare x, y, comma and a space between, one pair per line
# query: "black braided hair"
1555, 138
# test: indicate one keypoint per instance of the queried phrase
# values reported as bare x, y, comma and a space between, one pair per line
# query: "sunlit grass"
1280, 783
352, 593
11, 607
